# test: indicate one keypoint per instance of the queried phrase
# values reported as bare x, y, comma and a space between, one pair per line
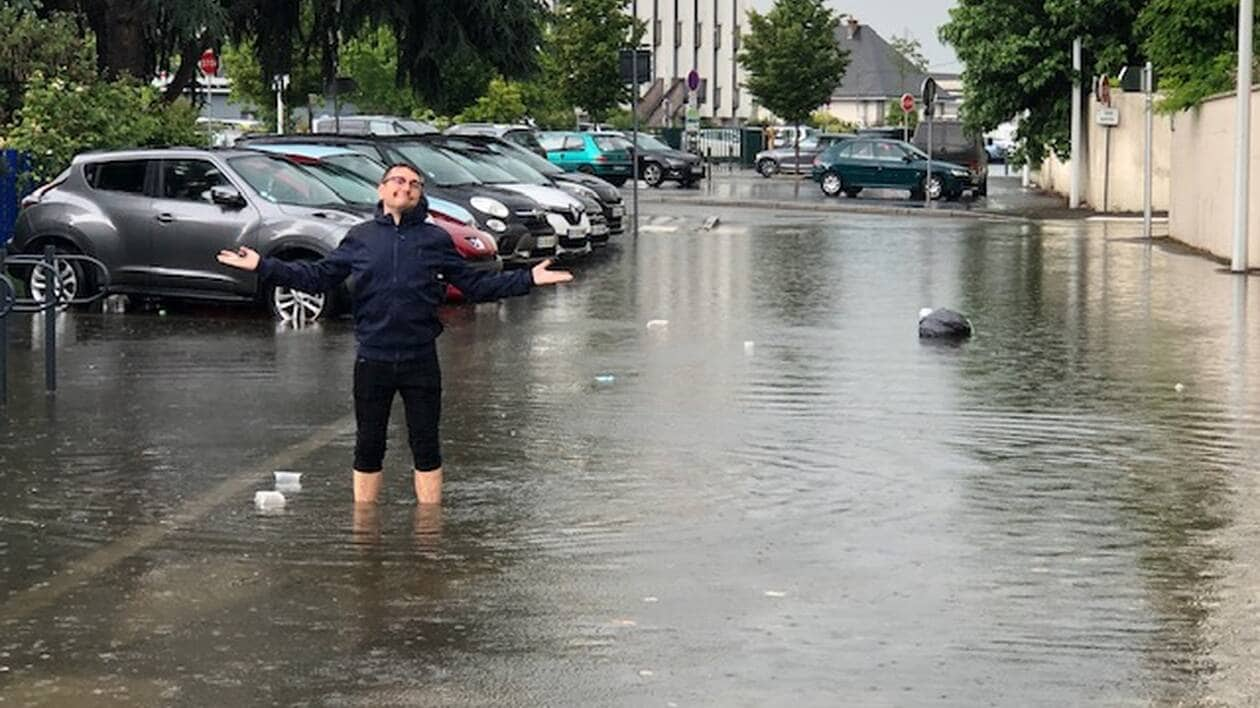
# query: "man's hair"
401, 165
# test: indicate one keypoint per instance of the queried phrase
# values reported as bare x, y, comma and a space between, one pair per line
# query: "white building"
686, 35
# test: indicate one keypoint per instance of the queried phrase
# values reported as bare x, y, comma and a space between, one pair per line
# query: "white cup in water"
290, 480
268, 500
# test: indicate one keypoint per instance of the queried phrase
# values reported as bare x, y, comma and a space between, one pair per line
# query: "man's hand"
243, 258
542, 276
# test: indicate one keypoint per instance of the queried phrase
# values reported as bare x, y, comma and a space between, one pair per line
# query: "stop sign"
209, 63
907, 102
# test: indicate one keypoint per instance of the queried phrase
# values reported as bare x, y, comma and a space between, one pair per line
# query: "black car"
604, 204
951, 142
518, 223
660, 163
521, 135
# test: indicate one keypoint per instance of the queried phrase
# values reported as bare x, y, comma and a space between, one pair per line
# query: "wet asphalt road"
840, 515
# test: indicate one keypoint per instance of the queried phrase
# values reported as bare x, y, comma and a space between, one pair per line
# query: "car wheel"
71, 282
983, 190
295, 306
586, 169
852, 192
934, 188
768, 167
832, 184
653, 174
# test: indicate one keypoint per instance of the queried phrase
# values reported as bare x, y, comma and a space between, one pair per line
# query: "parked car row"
156, 217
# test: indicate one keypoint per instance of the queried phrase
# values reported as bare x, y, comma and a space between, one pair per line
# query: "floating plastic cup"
269, 500
750, 347
605, 378
288, 480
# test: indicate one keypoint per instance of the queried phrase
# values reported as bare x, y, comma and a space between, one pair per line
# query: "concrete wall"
1116, 185
1202, 211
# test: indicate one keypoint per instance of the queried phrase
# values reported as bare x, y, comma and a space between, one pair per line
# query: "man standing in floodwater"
396, 259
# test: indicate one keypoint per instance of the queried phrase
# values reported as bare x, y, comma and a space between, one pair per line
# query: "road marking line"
79, 572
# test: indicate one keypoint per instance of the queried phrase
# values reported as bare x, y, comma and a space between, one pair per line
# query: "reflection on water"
1060, 510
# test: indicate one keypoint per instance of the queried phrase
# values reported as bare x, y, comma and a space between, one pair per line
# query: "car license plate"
546, 242
620, 168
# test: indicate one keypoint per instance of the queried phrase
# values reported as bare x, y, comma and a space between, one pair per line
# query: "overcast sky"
918, 18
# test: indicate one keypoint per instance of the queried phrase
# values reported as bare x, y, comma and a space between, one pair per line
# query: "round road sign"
209, 63
907, 102
693, 80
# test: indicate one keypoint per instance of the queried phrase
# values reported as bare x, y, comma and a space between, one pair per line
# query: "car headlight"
960, 173
578, 190
496, 225
486, 205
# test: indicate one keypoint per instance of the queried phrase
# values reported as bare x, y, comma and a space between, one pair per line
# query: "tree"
792, 59
828, 123
893, 115
911, 51
1193, 45
503, 103
1018, 57
60, 119
371, 59
586, 40
31, 45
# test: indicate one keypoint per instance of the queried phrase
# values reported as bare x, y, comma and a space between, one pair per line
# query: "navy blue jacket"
396, 290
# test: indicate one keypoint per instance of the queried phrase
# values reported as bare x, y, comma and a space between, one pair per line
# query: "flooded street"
778, 497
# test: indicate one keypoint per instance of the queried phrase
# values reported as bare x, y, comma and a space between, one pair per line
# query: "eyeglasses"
404, 182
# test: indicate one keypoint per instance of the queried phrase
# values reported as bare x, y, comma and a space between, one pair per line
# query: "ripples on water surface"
1035, 517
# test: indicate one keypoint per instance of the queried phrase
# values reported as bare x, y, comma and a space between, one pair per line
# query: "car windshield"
509, 164
361, 165
482, 169
438, 168
915, 151
539, 164
611, 142
647, 142
348, 185
280, 181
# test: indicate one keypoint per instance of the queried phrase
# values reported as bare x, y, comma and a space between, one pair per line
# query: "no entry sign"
208, 63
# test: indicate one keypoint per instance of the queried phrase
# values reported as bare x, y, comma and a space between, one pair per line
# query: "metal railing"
54, 299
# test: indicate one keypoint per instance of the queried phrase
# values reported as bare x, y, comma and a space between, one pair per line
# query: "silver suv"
156, 219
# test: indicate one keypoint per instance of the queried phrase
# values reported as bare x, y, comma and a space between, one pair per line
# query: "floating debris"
1179, 388
657, 324
268, 500
605, 378
750, 347
775, 593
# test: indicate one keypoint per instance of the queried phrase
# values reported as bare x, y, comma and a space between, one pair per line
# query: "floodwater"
836, 514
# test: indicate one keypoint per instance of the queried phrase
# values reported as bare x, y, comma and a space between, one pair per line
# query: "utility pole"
1074, 198
1242, 137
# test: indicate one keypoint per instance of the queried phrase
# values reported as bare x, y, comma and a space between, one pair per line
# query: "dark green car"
850, 167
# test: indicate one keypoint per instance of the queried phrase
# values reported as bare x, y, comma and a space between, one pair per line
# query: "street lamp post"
1242, 136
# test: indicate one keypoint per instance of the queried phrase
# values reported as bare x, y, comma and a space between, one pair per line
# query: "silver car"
156, 219
783, 159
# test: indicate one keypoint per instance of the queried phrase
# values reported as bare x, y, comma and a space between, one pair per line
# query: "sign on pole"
907, 107
635, 66
929, 96
209, 63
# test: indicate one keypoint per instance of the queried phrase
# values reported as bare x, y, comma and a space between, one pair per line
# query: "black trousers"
375, 383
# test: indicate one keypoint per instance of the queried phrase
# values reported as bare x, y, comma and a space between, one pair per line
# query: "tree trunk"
121, 47
796, 143
187, 70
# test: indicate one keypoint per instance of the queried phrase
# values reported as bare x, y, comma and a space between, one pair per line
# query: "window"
656, 33
574, 143
862, 150
717, 39
278, 180
735, 39
190, 180
699, 34
120, 176
610, 143
551, 141
888, 152
717, 97
735, 101
677, 33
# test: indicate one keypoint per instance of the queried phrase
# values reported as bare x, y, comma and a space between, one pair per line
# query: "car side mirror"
227, 196
907, 159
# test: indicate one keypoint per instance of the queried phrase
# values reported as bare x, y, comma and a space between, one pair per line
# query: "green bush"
828, 123
60, 119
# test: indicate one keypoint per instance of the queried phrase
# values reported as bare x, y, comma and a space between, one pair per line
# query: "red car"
476, 246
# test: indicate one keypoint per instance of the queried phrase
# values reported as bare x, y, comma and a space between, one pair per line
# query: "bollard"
53, 281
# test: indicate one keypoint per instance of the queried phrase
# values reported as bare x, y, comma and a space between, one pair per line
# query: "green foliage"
828, 123
1018, 57
50, 46
60, 119
240, 62
371, 59
1194, 47
792, 59
503, 103
585, 46
911, 51
893, 115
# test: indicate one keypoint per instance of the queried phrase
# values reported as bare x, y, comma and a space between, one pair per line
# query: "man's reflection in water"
427, 522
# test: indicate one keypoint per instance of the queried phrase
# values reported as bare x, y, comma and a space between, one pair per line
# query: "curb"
780, 205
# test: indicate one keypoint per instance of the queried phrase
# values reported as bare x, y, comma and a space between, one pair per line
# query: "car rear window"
437, 167
523, 138
945, 135
611, 142
117, 176
551, 141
